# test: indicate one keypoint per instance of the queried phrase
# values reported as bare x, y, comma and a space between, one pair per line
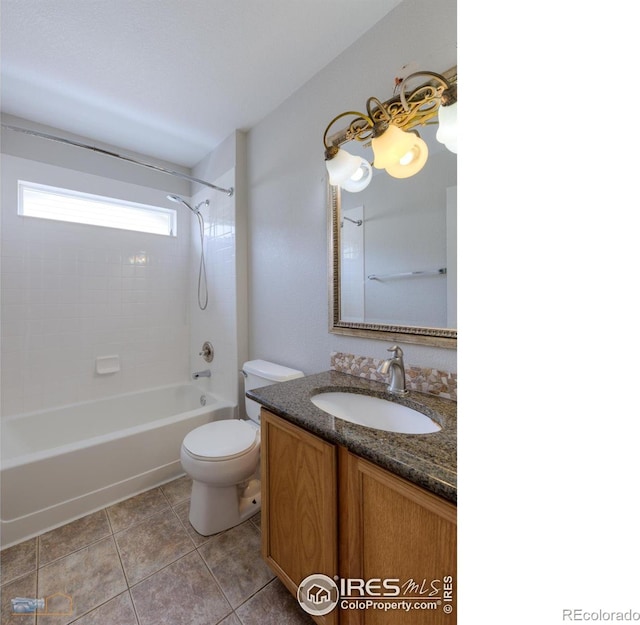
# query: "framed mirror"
393, 251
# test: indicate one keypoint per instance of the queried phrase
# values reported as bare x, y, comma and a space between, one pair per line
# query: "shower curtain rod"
77, 144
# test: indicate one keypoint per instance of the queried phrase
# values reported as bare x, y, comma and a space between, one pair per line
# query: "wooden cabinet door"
299, 504
391, 529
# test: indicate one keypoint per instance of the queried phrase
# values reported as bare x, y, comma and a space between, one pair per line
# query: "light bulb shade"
352, 173
394, 146
448, 127
360, 179
342, 166
412, 162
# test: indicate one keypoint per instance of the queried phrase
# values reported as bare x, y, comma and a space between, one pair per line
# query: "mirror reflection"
394, 253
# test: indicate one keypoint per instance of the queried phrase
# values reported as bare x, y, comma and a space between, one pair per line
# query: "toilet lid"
220, 440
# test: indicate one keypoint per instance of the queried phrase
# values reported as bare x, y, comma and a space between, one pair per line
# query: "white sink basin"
374, 412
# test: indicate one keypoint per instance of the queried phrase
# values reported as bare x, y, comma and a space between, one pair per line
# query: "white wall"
288, 314
352, 263
405, 229
100, 303
86, 161
72, 292
224, 321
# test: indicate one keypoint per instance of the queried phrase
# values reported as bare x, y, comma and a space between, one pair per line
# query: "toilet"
223, 457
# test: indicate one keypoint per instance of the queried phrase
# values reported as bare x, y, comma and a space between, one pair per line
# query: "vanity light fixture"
389, 128
352, 173
448, 127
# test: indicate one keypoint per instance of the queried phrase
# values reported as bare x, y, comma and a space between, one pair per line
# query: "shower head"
202, 275
178, 200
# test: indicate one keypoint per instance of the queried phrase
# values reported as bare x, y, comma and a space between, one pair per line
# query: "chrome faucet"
201, 374
396, 364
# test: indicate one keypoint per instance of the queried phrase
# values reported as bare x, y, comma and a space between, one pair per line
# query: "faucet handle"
207, 351
397, 351
386, 364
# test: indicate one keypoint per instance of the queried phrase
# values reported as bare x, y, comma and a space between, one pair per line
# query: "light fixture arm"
406, 110
387, 127
355, 129
442, 86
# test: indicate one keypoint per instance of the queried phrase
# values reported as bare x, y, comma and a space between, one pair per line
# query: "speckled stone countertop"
428, 460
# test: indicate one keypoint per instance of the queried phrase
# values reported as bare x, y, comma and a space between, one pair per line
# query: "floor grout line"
133, 604
106, 513
124, 572
162, 568
167, 504
92, 542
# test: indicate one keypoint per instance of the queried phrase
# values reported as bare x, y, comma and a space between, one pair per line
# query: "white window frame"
90, 214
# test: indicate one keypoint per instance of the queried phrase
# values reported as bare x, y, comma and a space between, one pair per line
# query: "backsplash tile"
420, 379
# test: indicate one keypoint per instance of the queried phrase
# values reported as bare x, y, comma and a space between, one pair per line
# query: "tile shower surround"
420, 379
139, 562
71, 293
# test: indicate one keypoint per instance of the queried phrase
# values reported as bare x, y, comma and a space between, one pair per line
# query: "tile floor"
139, 562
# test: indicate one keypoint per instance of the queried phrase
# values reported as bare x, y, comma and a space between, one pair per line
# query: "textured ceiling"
168, 78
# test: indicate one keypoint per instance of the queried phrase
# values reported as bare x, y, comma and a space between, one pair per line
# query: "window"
44, 202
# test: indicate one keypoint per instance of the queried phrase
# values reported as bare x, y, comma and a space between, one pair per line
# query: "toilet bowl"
222, 458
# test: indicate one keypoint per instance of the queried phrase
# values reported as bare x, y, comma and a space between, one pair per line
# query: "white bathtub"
58, 465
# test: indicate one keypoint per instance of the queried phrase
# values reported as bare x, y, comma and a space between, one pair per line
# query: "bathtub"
58, 465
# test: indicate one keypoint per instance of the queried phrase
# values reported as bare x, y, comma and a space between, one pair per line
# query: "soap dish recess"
107, 364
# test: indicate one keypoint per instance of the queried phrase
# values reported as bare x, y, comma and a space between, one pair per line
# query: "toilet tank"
259, 373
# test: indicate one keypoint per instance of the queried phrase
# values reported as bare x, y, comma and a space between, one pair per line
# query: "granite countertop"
428, 460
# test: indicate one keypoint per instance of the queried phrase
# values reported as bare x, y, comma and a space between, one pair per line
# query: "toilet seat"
221, 440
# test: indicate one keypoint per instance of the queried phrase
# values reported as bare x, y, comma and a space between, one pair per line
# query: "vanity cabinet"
390, 529
326, 510
299, 516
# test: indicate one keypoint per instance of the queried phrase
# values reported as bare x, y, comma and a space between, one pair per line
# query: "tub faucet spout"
201, 374
395, 364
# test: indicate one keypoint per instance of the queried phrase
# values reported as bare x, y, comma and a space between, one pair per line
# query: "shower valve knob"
207, 351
